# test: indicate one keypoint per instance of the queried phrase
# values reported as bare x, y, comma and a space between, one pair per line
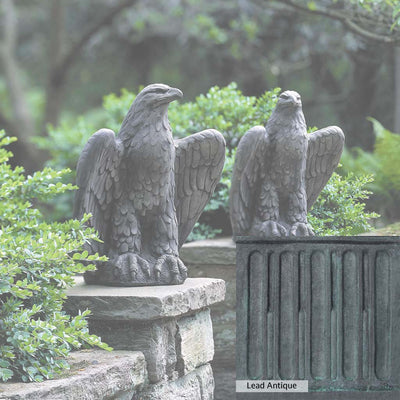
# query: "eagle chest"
289, 154
148, 167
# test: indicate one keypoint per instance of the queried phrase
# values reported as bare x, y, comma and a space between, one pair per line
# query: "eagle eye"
284, 96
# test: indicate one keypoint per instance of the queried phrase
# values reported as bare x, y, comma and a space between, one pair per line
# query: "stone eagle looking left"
145, 191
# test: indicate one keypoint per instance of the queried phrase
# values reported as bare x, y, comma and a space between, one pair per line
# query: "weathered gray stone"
195, 341
157, 341
322, 309
95, 375
198, 384
143, 303
188, 341
223, 314
157, 336
209, 252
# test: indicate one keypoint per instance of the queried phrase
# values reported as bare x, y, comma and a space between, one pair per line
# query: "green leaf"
312, 5
5, 374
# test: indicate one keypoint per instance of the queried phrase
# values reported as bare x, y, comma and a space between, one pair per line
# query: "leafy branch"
362, 18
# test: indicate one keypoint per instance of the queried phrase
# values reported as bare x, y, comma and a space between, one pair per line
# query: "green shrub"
339, 210
225, 109
37, 263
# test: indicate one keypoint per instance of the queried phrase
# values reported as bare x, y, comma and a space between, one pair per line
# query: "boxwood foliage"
37, 263
340, 209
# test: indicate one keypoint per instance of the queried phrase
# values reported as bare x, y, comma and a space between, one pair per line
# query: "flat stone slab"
146, 302
95, 374
210, 251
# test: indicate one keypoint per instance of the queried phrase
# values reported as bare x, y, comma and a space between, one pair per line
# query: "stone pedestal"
216, 258
170, 325
322, 309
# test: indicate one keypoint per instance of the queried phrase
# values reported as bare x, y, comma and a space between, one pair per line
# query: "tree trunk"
54, 87
22, 124
359, 104
62, 61
396, 110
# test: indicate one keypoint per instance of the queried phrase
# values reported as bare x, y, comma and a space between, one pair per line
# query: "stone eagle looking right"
279, 172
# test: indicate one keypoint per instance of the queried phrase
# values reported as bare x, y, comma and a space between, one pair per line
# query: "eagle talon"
176, 268
127, 267
133, 271
175, 279
301, 229
157, 275
157, 267
270, 228
182, 268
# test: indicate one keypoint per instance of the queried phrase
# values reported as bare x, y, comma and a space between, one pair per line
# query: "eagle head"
158, 94
288, 111
150, 105
289, 98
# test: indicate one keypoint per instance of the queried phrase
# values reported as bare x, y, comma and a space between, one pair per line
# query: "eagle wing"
199, 161
245, 176
98, 181
325, 147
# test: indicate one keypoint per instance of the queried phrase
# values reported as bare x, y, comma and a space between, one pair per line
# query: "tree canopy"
61, 57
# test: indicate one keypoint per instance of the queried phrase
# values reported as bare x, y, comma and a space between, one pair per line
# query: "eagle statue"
145, 192
279, 172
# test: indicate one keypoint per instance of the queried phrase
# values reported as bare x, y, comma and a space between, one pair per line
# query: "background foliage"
57, 60
37, 263
384, 164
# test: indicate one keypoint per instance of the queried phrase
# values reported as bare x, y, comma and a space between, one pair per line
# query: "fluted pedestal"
322, 309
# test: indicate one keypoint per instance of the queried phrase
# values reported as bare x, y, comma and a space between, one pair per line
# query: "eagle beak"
295, 102
173, 94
